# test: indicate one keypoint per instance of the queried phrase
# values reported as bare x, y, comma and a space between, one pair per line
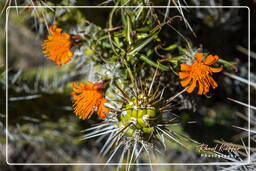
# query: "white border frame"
248, 161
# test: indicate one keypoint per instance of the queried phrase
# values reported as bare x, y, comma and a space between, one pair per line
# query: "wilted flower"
57, 46
201, 72
89, 98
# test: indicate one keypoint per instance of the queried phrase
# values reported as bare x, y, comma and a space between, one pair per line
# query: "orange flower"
201, 72
57, 46
89, 98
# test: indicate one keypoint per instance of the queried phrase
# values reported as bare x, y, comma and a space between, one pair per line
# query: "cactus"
129, 73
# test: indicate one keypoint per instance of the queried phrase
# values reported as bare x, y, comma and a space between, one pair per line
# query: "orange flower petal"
185, 67
211, 59
212, 82
52, 28
206, 90
59, 30
185, 82
199, 57
103, 111
183, 75
87, 99
58, 46
88, 86
204, 83
192, 86
199, 72
200, 88
216, 69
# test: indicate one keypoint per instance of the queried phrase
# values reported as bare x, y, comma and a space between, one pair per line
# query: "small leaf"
171, 47
154, 64
142, 45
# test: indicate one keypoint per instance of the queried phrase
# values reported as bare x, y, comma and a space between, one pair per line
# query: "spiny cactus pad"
141, 115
